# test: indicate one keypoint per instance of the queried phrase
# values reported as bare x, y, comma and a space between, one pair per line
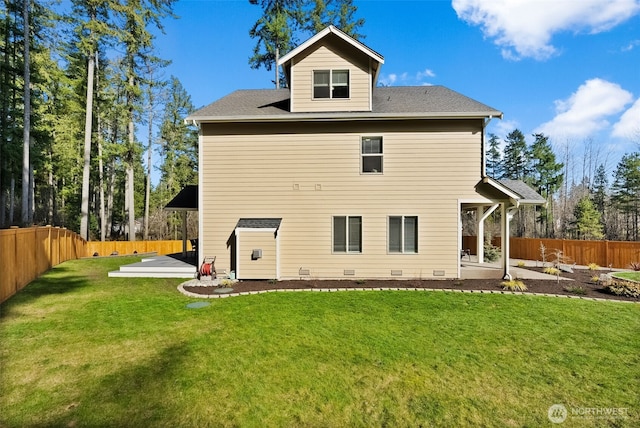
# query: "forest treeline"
585, 200
85, 101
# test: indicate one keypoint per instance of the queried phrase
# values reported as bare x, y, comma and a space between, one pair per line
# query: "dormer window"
331, 84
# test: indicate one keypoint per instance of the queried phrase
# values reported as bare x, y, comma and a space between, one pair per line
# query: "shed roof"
399, 102
259, 223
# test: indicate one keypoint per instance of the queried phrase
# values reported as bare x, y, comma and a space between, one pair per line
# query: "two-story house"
335, 177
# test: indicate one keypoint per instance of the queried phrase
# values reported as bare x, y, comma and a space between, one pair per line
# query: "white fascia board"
331, 29
495, 184
257, 229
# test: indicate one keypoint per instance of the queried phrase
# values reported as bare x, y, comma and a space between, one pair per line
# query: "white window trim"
402, 251
362, 155
330, 97
347, 251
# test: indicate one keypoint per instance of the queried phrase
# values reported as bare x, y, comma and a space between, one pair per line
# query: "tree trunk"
103, 220
86, 168
112, 189
26, 140
148, 178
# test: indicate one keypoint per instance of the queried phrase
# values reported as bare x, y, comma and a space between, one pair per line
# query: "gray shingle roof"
414, 101
259, 223
522, 189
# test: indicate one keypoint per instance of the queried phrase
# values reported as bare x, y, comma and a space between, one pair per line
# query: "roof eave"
340, 116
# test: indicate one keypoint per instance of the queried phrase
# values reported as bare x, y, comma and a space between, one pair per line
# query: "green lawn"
634, 276
80, 349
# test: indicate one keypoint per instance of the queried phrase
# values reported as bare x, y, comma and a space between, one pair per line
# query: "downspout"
483, 165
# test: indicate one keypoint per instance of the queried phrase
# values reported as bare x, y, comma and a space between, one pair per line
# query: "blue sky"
568, 68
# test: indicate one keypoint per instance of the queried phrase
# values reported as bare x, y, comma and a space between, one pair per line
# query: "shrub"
361, 281
593, 266
491, 253
521, 264
595, 279
551, 271
272, 281
575, 289
634, 266
227, 283
513, 285
624, 288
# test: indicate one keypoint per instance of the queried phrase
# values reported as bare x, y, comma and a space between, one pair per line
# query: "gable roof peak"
324, 33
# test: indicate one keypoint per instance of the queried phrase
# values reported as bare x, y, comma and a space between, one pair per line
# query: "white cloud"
524, 28
629, 124
387, 80
426, 73
586, 111
406, 78
630, 46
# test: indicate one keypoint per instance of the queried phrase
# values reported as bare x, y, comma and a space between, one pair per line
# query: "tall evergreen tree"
546, 177
587, 223
339, 13
494, 157
274, 32
138, 16
283, 21
92, 18
516, 159
626, 192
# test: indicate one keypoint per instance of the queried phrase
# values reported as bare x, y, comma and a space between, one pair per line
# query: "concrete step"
156, 274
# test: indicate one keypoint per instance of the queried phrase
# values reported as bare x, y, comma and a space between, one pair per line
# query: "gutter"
342, 116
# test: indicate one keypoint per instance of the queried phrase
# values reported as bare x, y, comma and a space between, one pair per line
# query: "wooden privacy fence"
107, 248
27, 253
617, 254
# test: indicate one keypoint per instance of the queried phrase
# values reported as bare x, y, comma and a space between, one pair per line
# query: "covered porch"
505, 197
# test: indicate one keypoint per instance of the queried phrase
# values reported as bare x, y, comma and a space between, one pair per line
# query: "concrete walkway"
471, 269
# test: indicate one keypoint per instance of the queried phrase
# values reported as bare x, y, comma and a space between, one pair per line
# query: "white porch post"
481, 216
480, 232
505, 243
507, 215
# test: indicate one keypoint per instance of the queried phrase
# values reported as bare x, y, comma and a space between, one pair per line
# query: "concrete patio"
168, 266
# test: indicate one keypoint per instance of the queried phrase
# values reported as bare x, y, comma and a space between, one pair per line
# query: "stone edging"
332, 290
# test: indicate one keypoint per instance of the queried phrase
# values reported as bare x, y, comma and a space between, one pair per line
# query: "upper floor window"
331, 84
372, 155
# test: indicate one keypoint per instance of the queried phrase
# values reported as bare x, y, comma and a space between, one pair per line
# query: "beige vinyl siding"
325, 56
307, 178
262, 268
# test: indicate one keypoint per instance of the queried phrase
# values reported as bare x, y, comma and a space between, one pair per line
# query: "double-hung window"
331, 84
371, 150
347, 234
403, 234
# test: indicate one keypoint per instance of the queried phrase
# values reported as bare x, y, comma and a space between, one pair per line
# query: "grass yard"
633, 276
81, 349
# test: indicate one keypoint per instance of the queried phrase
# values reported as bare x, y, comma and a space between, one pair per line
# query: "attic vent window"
330, 84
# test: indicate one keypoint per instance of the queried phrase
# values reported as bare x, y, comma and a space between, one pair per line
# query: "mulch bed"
580, 278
